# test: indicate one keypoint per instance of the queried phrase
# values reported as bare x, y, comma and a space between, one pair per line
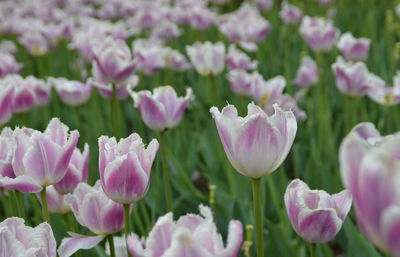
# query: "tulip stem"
165, 174
258, 217
114, 112
111, 244
313, 250
43, 200
214, 91
127, 219
20, 204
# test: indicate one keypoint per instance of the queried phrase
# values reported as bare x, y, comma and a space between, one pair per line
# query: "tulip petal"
391, 229
343, 203
24, 184
72, 244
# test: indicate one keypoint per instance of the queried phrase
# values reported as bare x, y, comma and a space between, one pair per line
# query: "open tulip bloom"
315, 215
256, 145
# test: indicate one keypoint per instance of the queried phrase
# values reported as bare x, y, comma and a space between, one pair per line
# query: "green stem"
258, 217
6, 203
165, 174
313, 252
43, 200
20, 204
114, 113
127, 219
347, 119
111, 244
214, 91
272, 188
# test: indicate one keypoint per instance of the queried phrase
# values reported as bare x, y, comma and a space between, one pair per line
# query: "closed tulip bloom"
125, 167
369, 167
352, 48
287, 103
149, 59
8, 64
94, 210
112, 61
162, 109
237, 60
23, 98
200, 18
7, 147
175, 60
307, 74
240, 81
320, 34
290, 14
7, 46
41, 159
191, 235
35, 43
351, 78
6, 97
207, 58
17, 239
72, 92
41, 90
257, 144
166, 30
77, 171
315, 215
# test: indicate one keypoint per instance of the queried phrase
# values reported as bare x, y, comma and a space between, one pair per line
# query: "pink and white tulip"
307, 74
72, 92
191, 235
240, 81
256, 145
162, 109
355, 49
125, 167
315, 215
319, 33
207, 58
267, 92
17, 239
290, 14
238, 60
369, 167
6, 102
382, 94
8, 64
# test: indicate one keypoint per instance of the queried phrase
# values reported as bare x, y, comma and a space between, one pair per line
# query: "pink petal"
70, 245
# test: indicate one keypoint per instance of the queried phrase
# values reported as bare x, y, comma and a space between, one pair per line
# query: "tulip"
351, 78
166, 30
150, 58
163, 109
319, 33
237, 60
77, 171
7, 46
287, 103
247, 140
6, 96
241, 82
35, 43
121, 92
94, 210
7, 146
207, 58
369, 168
55, 201
175, 60
17, 239
72, 92
200, 18
41, 90
264, 5
315, 215
23, 97
267, 92
352, 48
381, 94
112, 62
8, 64
290, 14
191, 235
307, 74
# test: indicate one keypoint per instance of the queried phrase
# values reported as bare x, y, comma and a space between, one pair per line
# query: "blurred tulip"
287, 103
8, 64
307, 74
267, 92
55, 201
264, 5
290, 14
125, 167
163, 109
94, 210
175, 60
149, 59
381, 94
6, 101
17, 239
7, 147
7, 46
77, 171
200, 18
320, 34
41, 159
207, 58
241, 82
247, 140
351, 78
352, 48
166, 30
23, 98
72, 92
191, 235
35, 43
112, 62
237, 60
315, 215
41, 90
369, 167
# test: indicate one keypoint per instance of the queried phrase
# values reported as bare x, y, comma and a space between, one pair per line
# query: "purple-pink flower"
17, 239
125, 167
307, 74
355, 49
238, 60
257, 144
207, 58
8, 64
72, 92
290, 14
315, 215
